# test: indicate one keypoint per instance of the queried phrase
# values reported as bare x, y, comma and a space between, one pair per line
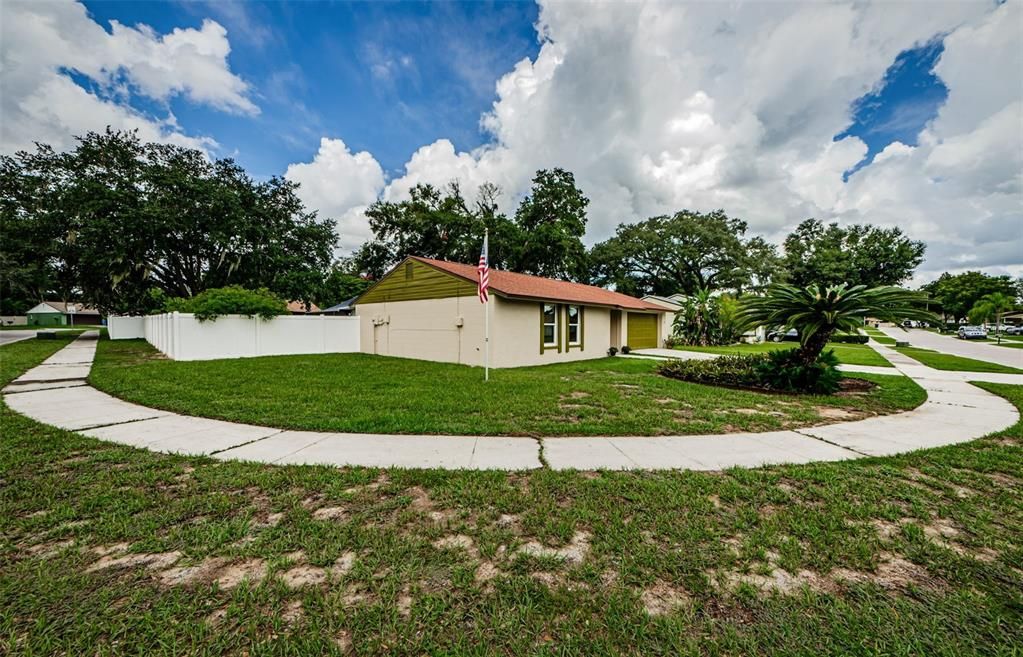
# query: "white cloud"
340, 184
658, 107
43, 41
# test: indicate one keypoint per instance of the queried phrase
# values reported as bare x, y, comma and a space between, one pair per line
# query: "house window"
550, 325
574, 321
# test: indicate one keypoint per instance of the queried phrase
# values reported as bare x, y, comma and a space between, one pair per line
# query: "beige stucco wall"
426, 329
515, 335
429, 330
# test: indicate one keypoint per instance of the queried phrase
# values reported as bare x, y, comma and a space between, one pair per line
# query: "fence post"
175, 334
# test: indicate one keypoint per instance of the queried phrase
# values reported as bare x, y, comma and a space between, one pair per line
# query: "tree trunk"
812, 348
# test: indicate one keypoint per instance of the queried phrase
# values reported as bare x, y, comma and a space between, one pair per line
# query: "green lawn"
108, 550
849, 354
948, 362
364, 393
880, 336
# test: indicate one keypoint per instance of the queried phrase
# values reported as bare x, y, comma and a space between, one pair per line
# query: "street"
952, 345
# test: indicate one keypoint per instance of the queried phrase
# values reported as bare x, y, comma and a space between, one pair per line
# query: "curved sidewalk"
57, 393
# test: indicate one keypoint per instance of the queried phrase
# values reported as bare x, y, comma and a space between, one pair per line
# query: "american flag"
483, 271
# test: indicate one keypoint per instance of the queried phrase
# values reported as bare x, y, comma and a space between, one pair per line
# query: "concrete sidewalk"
954, 412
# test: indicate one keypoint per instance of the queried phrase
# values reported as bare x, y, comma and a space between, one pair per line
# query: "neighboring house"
672, 304
429, 309
300, 308
346, 307
58, 313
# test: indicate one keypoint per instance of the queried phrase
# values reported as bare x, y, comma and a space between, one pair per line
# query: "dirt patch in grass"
893, 573
574, 553
251, 570
854, 386
456, 541
662, 599
156, 560
304, 575
292, 613
204, 571
330, 513
832, 413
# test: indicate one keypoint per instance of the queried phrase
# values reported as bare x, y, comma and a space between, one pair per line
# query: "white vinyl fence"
182, 337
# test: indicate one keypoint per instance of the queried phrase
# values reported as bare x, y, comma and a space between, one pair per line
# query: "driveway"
7, 337
949, 345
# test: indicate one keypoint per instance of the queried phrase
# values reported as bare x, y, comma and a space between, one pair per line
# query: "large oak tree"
860, 254
683, 253
126, 223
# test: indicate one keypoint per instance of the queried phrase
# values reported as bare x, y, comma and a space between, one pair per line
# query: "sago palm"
995, 303
817, 312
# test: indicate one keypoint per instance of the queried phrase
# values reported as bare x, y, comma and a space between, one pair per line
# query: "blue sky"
387, 77
906, 98
652, 105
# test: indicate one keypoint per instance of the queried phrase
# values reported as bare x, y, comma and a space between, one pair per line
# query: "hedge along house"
429, 310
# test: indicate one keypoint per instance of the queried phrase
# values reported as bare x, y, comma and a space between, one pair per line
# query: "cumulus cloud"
658, 107
44, 42
340, 185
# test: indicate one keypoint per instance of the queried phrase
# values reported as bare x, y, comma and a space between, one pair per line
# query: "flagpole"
486, 317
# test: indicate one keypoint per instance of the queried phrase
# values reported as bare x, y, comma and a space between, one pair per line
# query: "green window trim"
544, 346
581, 323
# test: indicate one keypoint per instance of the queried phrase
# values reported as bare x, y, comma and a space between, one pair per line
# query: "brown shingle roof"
535, 287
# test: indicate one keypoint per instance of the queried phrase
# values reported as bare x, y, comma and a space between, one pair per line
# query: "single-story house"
429, 310
671, 304
59, 313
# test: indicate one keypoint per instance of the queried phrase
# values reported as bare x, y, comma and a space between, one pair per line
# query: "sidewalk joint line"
249, 442
834, 444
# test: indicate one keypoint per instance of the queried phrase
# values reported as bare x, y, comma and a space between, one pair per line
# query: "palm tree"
995, 303
817, 311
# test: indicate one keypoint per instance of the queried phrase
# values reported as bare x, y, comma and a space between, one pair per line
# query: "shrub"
706, 320
626, 348
230, 300
775, 371
850, 339
612, 351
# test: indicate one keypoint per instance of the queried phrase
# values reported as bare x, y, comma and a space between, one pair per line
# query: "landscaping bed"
375, 394
111, 550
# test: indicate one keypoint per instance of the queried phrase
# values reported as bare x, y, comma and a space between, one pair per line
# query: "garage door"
642, 331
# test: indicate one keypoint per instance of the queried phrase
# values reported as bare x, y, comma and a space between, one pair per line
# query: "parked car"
1014, 330
792, 335
972, 333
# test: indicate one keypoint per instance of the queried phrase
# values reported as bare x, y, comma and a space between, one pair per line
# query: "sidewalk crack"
248, 442
829, 442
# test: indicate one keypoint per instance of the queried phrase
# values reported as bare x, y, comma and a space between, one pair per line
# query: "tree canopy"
819, 254
116, 221
684, 252
552, 222
957, 294
545, 238
436, 223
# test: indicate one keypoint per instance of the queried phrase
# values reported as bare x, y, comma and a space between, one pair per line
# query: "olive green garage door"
642, 331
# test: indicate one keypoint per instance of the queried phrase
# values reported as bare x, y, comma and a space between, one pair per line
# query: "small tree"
995, 303
817, 312
706, 320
